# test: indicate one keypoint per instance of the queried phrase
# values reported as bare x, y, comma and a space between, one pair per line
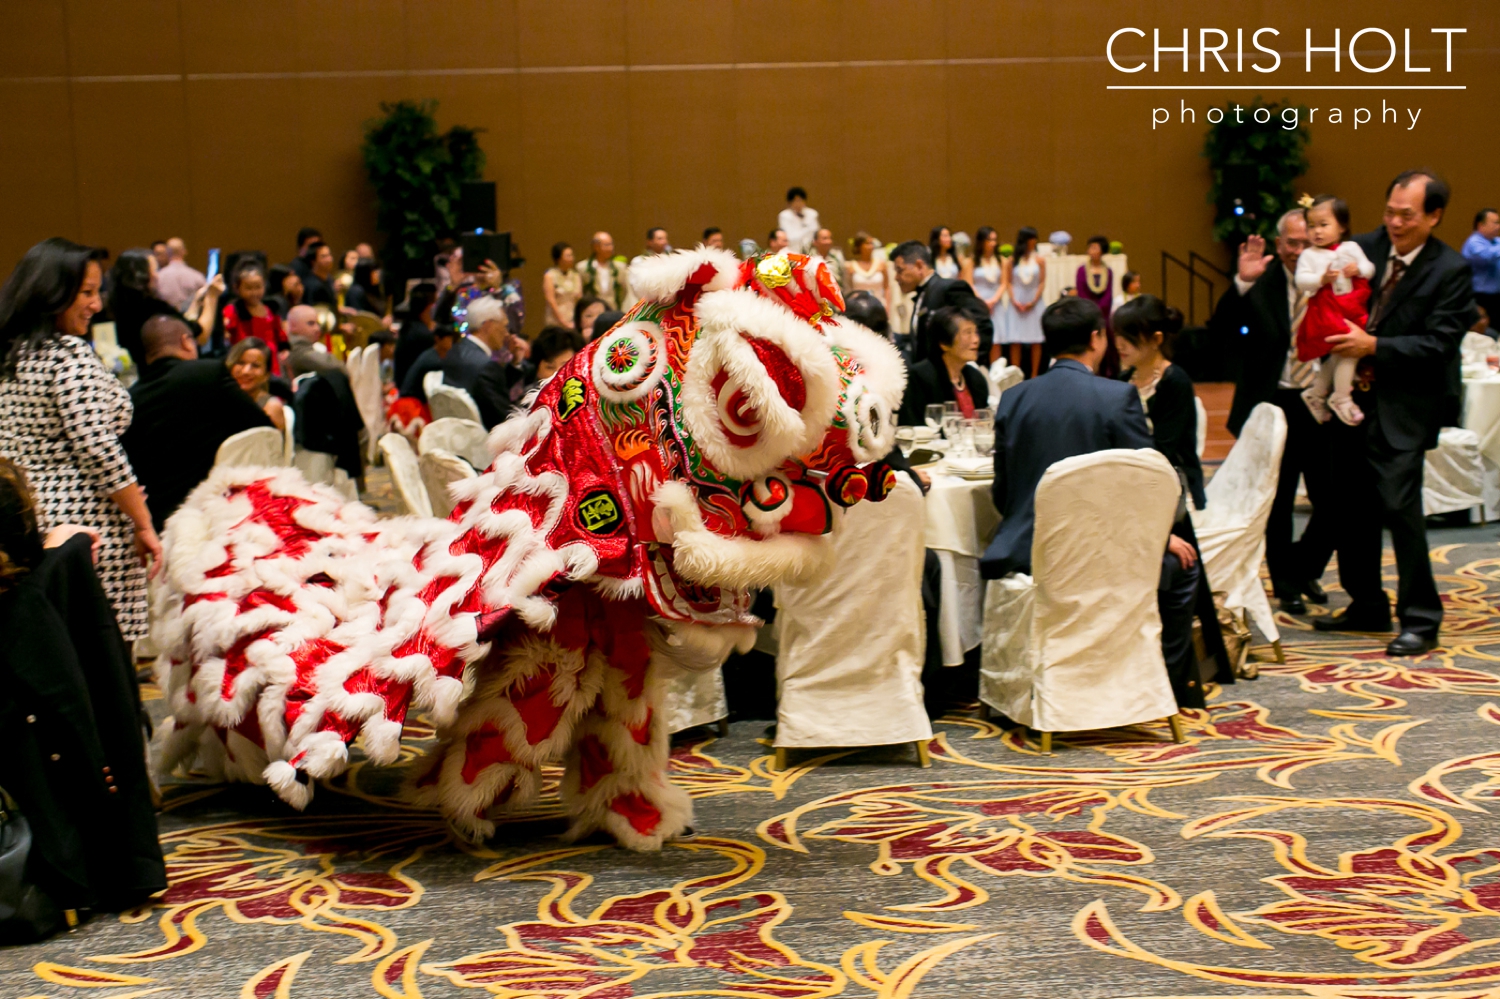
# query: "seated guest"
285, 289
249, 364
364, 293
554, 346
133, 300
184, 409
947, 375
1067, 411
302, 331
66, 671
443, 338
869, 311
317, 275
414, 329
605, 322
486, 334
1166, 390
249, 315
585, 311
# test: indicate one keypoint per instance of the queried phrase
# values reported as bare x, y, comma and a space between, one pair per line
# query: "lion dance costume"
703, 447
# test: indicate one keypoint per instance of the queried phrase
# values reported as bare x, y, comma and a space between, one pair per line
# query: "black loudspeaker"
476, 206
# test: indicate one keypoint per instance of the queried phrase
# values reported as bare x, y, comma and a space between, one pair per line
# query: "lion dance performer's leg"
586, 691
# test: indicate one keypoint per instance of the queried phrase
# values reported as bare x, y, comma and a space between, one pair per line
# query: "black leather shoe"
1347, 622
1293, 605
1409, 643
1314, 592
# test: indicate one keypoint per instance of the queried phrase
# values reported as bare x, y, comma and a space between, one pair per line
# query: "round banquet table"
1481, 414
961, 519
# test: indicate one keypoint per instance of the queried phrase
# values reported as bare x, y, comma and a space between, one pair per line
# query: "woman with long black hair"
133, 300
62, 414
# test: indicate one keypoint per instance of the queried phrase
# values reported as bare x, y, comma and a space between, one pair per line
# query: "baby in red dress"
1336, 273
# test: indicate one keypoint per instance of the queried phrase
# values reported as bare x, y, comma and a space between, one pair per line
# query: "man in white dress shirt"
798, 221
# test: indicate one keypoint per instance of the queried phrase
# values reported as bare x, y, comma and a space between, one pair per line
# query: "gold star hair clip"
1306, 200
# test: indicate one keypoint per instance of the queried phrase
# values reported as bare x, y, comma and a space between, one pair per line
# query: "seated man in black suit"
913, 264
486, 333
1068, 411
1407, 386
184, 409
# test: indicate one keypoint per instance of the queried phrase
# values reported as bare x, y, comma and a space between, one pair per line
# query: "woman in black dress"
1144, 328
947, 374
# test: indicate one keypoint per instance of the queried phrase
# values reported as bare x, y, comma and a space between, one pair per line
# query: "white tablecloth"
1062, 272
1481, 413
961, 519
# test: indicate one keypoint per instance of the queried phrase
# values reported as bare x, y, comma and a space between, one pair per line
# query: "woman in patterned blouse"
61, 415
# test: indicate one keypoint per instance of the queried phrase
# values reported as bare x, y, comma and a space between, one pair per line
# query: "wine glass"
906, 439
982, 433
952, 430
934, 415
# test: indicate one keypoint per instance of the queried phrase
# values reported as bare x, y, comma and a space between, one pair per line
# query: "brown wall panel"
231, 36
113, 37
38, 160
132, 175
673, 32
571, 32
41, 28
972, 113
461, 34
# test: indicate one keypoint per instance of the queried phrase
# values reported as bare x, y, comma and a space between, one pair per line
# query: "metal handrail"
1193, 276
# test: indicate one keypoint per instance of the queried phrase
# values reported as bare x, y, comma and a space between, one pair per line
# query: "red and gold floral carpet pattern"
1332, 830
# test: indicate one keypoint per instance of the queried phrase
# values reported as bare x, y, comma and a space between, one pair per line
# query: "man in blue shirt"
1482, 251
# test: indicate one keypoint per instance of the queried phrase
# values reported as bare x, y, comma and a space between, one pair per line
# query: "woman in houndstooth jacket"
61, 415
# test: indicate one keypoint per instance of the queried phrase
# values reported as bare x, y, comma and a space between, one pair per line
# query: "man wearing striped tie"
1408, 387
1257, 318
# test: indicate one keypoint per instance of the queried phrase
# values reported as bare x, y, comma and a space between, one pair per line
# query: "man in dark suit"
184, 409
1256, 318
913, 263
486, 333
1407, 386
1069, 411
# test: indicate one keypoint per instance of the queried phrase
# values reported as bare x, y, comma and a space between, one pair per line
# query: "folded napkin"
969, 466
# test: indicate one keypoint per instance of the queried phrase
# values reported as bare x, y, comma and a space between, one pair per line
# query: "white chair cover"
694, 698
257, 447
451, 402
1232, 529
369, 394
852, 642
1077, 646
318, 468
289, 437
430, 381
440, 469
1454, 475
1202, 412
1002, 377
406, 474
464, 438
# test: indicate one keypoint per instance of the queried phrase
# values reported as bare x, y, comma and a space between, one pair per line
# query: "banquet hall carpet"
1328, 830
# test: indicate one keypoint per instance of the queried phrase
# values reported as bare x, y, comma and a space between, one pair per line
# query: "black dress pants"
1292, 563
1176, 597
1382, 486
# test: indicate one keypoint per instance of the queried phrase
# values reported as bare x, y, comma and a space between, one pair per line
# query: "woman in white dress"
1025, 276
868, 274
944, 259
562, 287
987, 277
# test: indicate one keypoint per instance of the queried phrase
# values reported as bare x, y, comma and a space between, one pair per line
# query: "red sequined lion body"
700, 449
